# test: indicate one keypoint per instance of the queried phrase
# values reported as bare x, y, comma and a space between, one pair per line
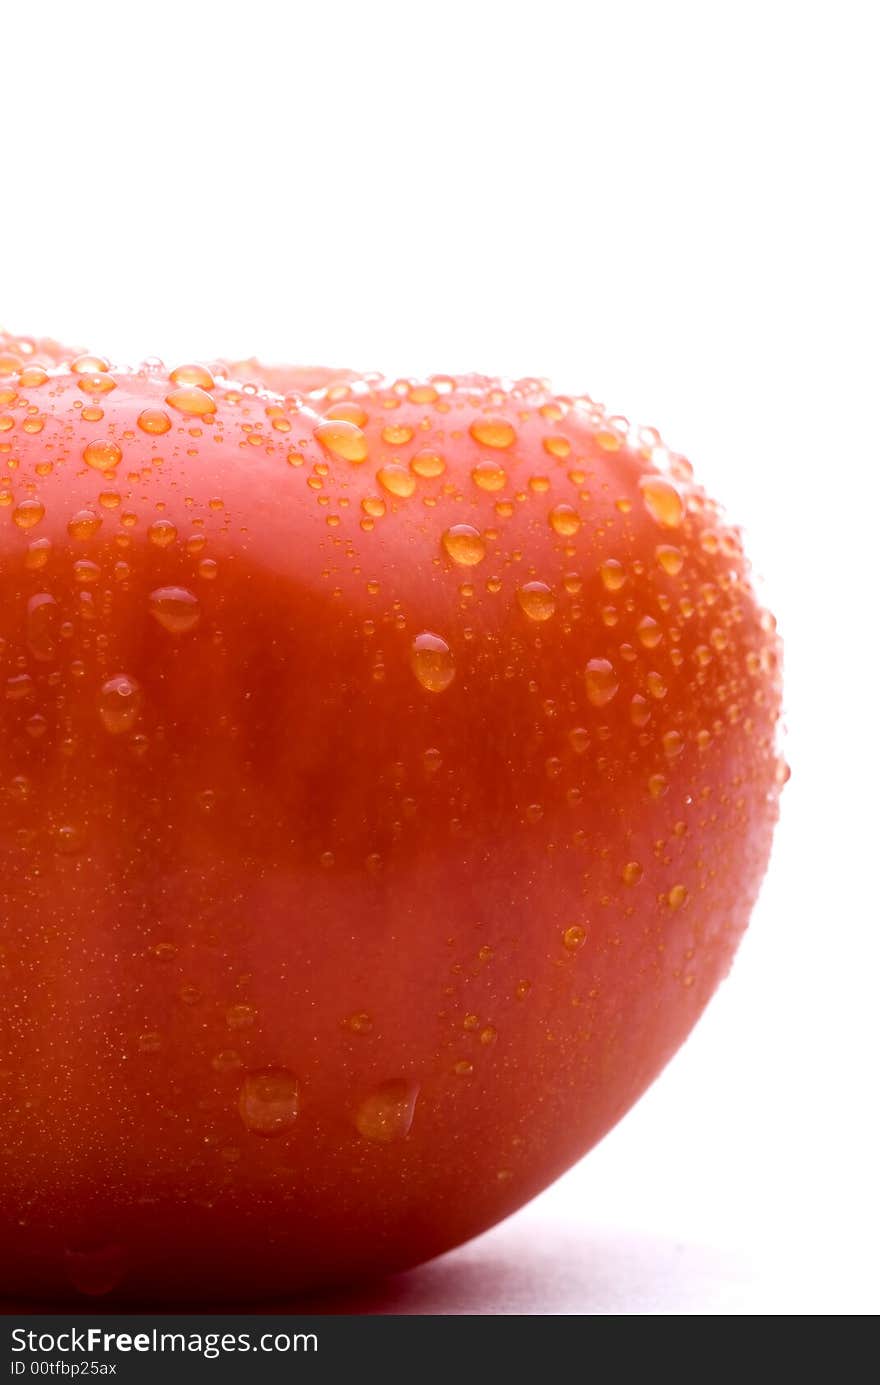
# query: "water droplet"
84, 524
268, 1102
359, 1023
175, 608
397, 480
493, 432
564, 520
670, 559
42, 626
95, 1269
89, 365
463, 1068
649, 632
191, 400
673, 744
343, 439
656, 685
119, 703
662, 501
536, 600
612, 574
162, 533
427, 463
574, 937
677, 896
28, 513
464, 544
396, 434
240, 1016
488, 1035
387, 1113
657, 785
432, 662
102, 454
154, 421
601, 682
631, 873
557, 446
192, 375
489, 476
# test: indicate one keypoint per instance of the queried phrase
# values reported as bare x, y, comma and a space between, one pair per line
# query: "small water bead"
397, 480
387, 1113
359, 1023
670, 559
489, 476
574, 937
192, 401
632, 873
97, 384
427, 463
656, 685
488, 1036
162, 533
175, 609
268, 1102
347, 411
86, 573
673, 744
463, 1068
119, 703
612, 574
536, 601
677, 897
493, 432
373, 506
432, 662
154, 421
84, 524
42, 626
32, 377
658, 785
649, 632
564, 520
396, 434
557, 446
102, 454
343, 439
662, 501
93, 414
464, 544
89, 365
208, 569
192, 375
240, 1016
28, 513
110, 500
639, 711
602, 682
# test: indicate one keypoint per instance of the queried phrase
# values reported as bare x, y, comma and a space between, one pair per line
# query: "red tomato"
388, 773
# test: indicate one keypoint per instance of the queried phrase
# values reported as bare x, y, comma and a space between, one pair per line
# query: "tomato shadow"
523, 1267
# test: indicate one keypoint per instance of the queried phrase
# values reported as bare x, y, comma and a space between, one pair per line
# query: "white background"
670, 206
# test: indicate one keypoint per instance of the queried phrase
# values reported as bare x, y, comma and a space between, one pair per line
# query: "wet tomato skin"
388, 772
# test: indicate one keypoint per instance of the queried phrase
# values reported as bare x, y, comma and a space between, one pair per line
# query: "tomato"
388, 772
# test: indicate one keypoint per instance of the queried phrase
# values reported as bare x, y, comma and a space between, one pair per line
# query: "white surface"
672, 207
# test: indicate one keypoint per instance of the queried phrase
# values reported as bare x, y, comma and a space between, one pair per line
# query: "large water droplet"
387, 1113
662, 501
175, 608
536, 600
601, 682
432, 662
268, 1102
464, 544
119, 703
